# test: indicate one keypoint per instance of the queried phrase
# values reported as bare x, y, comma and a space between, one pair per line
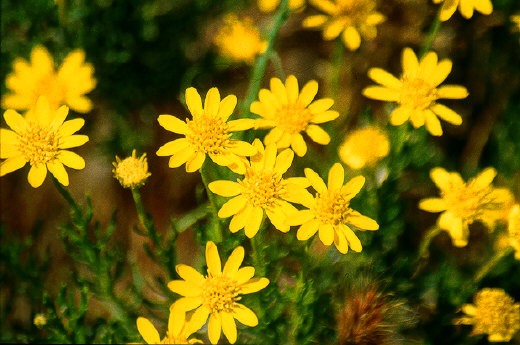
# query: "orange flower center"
262, 188
332, 207
293, 118
416, 93
220, 293
208, 134
38, 145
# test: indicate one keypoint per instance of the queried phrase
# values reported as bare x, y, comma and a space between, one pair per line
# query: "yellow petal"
198, 319
229, 327
469, 309
172, 124
336, 177
466, 8
455, 227
326, 234
73, 141
257, 108
485, 178
195, 162
315, 180
400, 115
433, 125
441, 72
173, 147
380, 93
483, 6
37, 175
333, 29
326, 6
433, 205
441, 178
12, 164
245, 315
181, 157
15, 121
307, 230
57, 169
319, 106
80, 104
353, 186
214, 327
253, 285
255, 220
184, 288
193, 101
318, 135
277, 218
409, 60
340, 241
446, 114
268, 99
298, 194
427, 65
384, 78
353, 240
298, 144
269, 156
212, 102
232, 206
8, 150
351, 38
291, 86
189, 274
300, 217
241, 148
375, 18
308, 93
59, 116
448, 8
244, 274
452, 92
284, 161
148, 331
234, 261
227, 106
224, 188
314, 21
239, 220
213, 259
278, 90
241, 125
362, 222
70, 127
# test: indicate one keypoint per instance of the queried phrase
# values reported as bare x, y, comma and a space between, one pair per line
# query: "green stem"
216, 234
66, 194
488, 266
432, 33
259, 69
144, 219
424, 247
337, 61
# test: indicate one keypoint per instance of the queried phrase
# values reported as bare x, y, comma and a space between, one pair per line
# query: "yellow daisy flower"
131, 172
463, 203
349, 18
207, 133
364, 147
417, 91
217, 294
330, 213
178, 331
514, 229
466, 8
271, 5
41, 141
262, 190
239, 40
494, 313
38, 78
290, 112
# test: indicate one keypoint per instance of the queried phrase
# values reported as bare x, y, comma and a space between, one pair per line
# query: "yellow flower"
207, 133
40, 320
41, 141
349, 18
178, 331
494, 313
290, 112
330, 213
271, 5
239, 40
463, 203
131, 172
417, 91
39, 78
262, 189
514, 229
466, 7
515, 19
364, 147
217, 294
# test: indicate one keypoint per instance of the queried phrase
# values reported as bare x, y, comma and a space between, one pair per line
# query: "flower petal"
178, 159
241, 125
291, 86
234, 261
198, 319
245, 315
15, 121
284, 161
315, 180
172, 124
353, 186
227, 106
308, 93
409, 60
224, 188
184, 288
433, 125
57, 169
336, 177
37, 175
189, 274
244, 274
212, 102
448, 8
73, 141
298, 144
278, 90
193, 101
307, 230
326, 234
351, 38
318, 135
441, 72
255, 220
229, 327
380, 93
384, 78
320, 105
446, 114
70, 127
433, 205
340, 241
173, 147
314, 21
353, 240
240, 219
148, 331
12, 164
400, 115
241, 148
362, 222
452, 92
195, 162
253, 285
213, 259
232, 207
214, 327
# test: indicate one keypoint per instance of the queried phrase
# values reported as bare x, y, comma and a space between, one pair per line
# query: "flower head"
178, 331
40, 320
239, 40
417, 91
463, 203
364, 147
261, 190
41, 140
291, 112
131, 172
466, 7
514, 229
494, 313
39, 78
217, 294
207, 133
271, 5
349, 18
329, 211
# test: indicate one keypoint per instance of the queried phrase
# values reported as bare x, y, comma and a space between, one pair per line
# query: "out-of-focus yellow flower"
466, 7
494, 313
217, 294
41, 140
271, 5
463, 203
515, 19
291, 112
364, 147
239, 40
349, 18
131, 172
40, 320
207, 133
330, 213
514, 229
417, 91
66, 87
262, 189
178, 331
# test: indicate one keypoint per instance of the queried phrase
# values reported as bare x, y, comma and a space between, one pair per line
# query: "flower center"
50, 87
208, 134
496, 313
132, 172
220, 293
293, 118
470, 202
416, 93
38, 145
332, 208
262, 188
354, 11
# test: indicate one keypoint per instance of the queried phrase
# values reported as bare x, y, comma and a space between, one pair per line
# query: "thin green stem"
424, 247
488, 266
261, 63
215, 234
144, 218
337, 63
432, 33
66, 195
